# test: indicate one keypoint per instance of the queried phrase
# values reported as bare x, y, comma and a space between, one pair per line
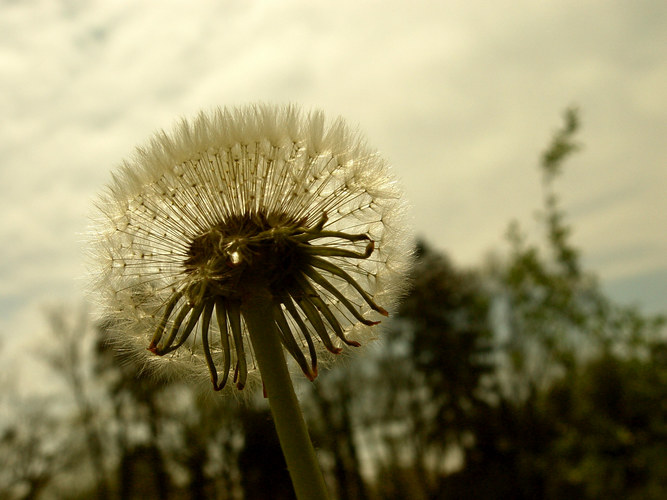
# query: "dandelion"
245, 232
240, 201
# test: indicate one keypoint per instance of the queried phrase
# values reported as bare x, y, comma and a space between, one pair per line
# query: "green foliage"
612, 420
578, 374
553, 314
562, 145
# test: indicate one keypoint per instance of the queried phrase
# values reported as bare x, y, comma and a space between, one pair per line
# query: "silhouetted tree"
444, 326
547, 435
612, 422
73, 341
35, 448
261, 461
335, 399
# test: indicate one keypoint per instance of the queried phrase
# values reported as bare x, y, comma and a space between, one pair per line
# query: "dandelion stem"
291, 428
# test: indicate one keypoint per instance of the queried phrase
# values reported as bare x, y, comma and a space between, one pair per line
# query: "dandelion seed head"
242, 199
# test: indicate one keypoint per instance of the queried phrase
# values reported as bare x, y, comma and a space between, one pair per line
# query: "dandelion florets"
242, 201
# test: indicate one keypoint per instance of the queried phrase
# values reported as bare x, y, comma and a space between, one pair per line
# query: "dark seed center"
245, 251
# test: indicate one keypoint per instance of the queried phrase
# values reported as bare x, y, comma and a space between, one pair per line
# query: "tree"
612, 429
567, 356
73, 338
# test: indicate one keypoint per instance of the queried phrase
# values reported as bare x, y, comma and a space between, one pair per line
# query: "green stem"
290, 426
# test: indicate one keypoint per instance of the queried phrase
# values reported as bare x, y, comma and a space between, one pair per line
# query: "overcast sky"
461, 96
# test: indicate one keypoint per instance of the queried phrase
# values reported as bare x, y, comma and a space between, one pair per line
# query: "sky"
460, 96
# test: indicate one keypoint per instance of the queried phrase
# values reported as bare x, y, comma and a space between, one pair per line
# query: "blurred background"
530, 359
